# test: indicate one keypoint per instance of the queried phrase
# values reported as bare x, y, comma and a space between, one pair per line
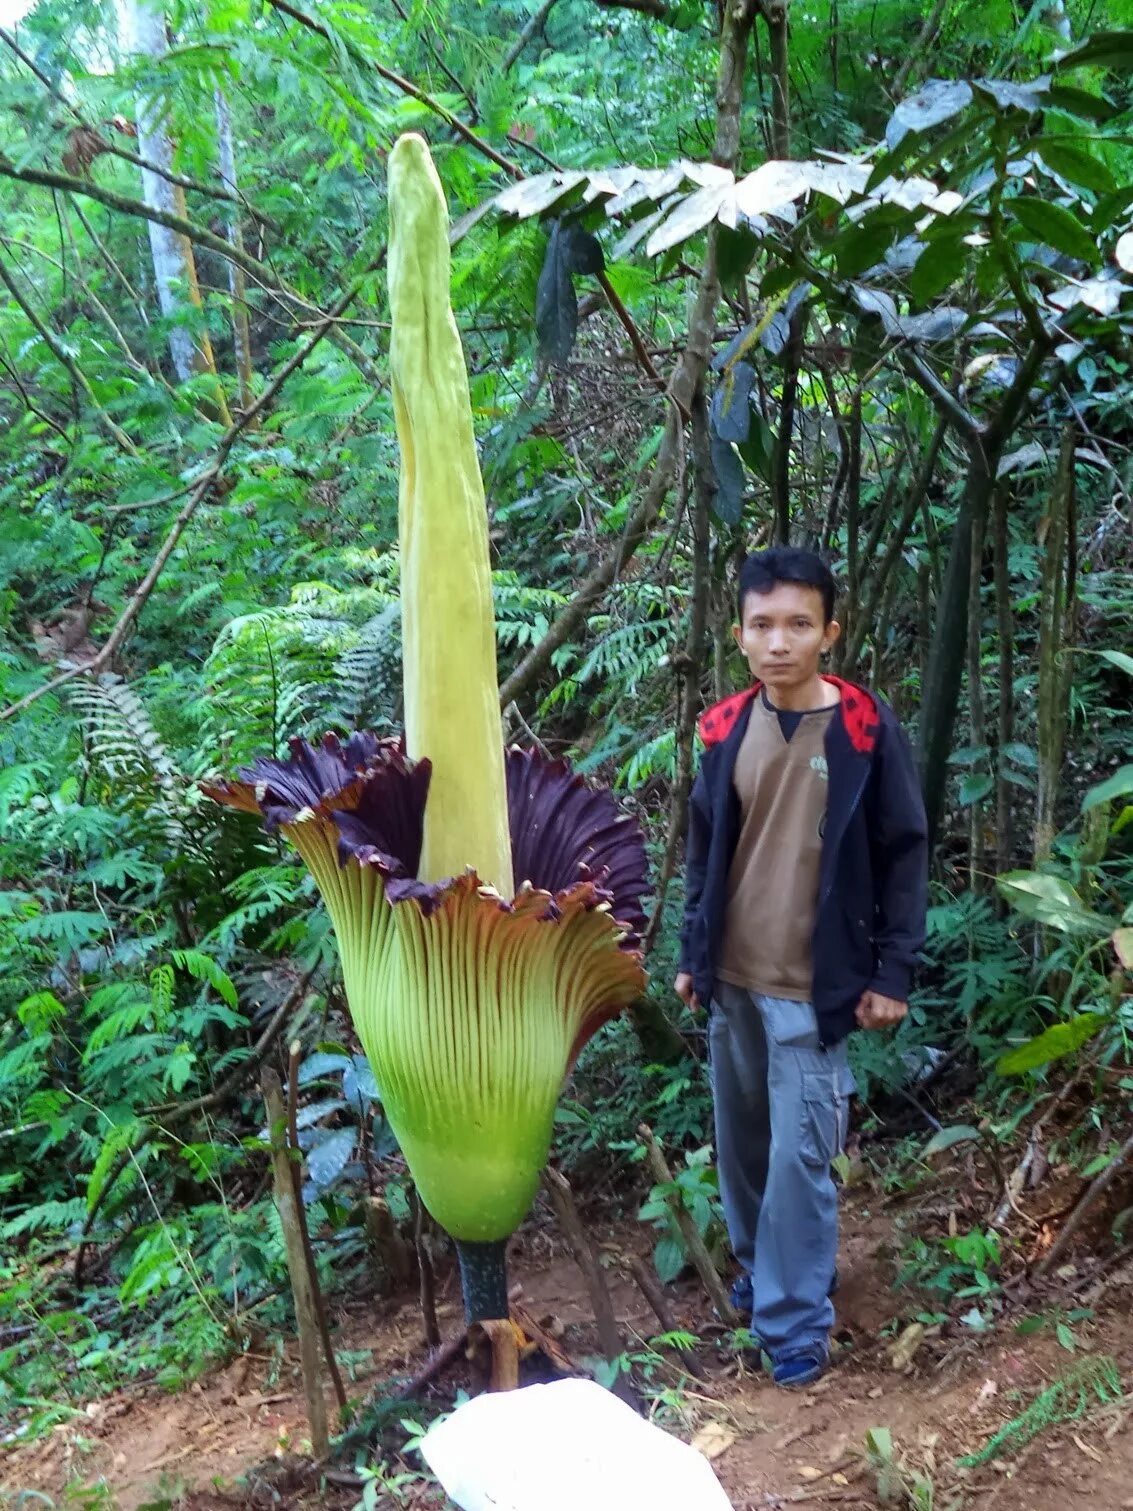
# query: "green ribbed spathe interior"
467, 1017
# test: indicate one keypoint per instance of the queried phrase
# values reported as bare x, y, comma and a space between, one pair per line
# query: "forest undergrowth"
861, 281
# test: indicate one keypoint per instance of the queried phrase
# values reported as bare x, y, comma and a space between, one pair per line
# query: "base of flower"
483, 1280
503, 1339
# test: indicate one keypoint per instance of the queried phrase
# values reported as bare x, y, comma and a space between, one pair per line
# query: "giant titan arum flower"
487, 904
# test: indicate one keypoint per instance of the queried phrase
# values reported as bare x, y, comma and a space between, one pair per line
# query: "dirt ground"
235, 1441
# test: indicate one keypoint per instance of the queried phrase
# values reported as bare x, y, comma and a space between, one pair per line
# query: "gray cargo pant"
781, 1117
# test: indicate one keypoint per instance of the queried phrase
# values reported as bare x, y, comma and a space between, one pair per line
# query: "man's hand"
685, 991
876, 1011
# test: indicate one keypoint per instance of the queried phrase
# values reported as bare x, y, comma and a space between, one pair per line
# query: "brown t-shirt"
774, 875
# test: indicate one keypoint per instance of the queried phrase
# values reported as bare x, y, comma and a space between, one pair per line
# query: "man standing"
806, 883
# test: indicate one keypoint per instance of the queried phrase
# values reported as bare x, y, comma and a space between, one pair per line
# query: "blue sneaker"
741, 1293
741, 1296
802, 1367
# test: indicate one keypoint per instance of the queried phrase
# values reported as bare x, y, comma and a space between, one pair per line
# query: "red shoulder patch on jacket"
861, 717
716, 723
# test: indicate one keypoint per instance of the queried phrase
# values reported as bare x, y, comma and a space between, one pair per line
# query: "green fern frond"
204, 968
657, 757
1094, 1382
291, 669
369, 671
120, 736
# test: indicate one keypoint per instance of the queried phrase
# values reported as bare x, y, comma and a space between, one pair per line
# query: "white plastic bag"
567, 1446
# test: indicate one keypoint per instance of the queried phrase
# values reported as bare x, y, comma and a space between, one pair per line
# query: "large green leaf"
1055, 226
1083, 102
937, 102
938, 266
1118, 785
948, 1138
668, 1259
1054, 1043
1105, 49
1050, 900
1077, 166
975, 786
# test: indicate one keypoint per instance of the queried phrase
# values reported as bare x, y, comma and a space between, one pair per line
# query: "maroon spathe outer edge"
564, 833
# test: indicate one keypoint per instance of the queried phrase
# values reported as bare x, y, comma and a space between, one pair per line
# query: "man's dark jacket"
870, 916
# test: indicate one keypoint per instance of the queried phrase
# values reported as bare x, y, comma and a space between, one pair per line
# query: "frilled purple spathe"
564, 833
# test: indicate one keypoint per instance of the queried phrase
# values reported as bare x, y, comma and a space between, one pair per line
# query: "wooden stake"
390, 1249
295, 1162
532, 1329
650, 1288
563, 1197
306, 1315
425, 1275
694, 1244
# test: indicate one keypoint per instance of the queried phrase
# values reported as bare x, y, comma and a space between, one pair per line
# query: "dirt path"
235, 1439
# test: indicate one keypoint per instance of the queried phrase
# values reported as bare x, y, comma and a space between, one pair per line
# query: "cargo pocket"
825, 1114
845, 1087
823, 1118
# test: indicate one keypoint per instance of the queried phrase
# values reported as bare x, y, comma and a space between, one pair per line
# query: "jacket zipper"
858, 795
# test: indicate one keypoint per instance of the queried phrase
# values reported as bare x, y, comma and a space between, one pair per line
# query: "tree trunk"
692, 662
781, 455
779, 38
853, 609
237, 284
862, 614
945, 673
1004, 839
142, 32
686, 381
976, 696
302, 1282
1055, 613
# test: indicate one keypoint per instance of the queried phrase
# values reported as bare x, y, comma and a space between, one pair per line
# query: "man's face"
784, 633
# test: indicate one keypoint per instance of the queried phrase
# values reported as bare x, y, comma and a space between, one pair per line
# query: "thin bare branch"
64, 358
940, 394
182, 180
399, 82
259, 272
919, 49
531, 28
201, 489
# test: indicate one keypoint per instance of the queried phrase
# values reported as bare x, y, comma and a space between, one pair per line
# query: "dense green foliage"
936, 396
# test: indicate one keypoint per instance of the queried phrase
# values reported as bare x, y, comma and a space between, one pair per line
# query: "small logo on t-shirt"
818, 764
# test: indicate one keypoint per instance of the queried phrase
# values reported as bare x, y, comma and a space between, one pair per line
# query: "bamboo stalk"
691, 663
500, 1332
1053, 689
976, 695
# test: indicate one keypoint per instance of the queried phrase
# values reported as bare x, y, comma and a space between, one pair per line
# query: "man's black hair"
764, 570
